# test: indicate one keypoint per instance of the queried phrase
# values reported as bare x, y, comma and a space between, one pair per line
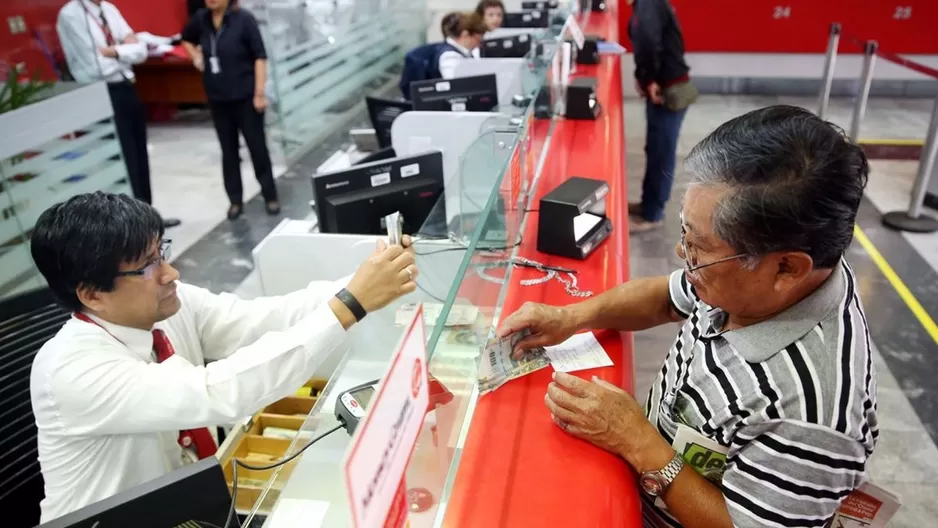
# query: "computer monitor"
383, 112
196, 494
517, 46
478, 93
526, 19
356, 200
540, 6
378, 155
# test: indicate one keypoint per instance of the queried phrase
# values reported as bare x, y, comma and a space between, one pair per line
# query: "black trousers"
130, 119
230, 117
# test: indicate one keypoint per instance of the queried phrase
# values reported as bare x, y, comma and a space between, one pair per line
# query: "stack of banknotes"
498, 366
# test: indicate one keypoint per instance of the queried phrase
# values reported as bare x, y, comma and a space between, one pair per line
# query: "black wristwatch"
352, 304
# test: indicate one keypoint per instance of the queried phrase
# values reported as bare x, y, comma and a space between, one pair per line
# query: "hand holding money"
499, 365
543, 325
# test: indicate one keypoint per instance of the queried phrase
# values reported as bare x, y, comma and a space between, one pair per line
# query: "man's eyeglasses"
147, 271
691, 265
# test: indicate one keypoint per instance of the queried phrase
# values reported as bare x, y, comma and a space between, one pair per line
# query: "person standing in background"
99, 45
225, 43
661, 77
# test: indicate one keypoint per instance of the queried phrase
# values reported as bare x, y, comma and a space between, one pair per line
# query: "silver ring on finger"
410, 274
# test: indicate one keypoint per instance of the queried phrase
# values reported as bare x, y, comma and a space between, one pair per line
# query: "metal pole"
926, 165
913, 219
830, 63
866, 80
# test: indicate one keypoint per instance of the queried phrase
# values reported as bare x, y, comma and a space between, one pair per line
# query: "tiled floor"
906, 459
216, 254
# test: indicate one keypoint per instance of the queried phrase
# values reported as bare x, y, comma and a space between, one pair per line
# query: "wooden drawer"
245, 442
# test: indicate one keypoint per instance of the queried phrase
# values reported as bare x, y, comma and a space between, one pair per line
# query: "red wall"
160, 17
801, 26
23, 48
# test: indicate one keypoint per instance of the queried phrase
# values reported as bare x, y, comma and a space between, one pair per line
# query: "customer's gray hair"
795, 183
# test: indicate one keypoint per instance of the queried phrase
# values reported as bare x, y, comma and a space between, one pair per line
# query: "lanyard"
84, 317
102, 23
215, 36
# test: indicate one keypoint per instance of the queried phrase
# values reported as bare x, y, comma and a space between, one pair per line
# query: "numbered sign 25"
902, 13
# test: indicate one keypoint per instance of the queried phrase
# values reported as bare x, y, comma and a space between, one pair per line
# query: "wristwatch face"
651, 484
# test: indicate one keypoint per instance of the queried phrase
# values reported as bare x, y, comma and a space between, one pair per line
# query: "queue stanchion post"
830, 64
863, 89
913, 220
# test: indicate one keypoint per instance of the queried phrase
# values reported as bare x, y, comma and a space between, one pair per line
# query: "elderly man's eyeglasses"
149, 270
690, 258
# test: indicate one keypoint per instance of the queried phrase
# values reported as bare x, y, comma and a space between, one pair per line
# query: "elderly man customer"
772, 360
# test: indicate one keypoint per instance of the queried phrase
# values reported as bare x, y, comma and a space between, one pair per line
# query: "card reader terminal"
352, 405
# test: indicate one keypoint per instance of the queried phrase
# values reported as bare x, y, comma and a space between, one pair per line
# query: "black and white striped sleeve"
785, 473
682, 294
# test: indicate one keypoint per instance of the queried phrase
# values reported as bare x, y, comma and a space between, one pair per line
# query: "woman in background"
448, 25
466, 38
225, 44
492, 13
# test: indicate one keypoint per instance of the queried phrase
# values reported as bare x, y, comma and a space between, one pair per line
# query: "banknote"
459, 314
498, 366
395, 224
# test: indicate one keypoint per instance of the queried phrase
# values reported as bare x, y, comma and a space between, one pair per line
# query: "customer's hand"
199, 62
260, 102
608, 417
549, 325
384, 276
654, 93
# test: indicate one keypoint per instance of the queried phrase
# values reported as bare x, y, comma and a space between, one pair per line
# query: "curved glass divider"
462, 282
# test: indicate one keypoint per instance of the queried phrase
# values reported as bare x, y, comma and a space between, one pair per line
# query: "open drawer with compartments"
264, 439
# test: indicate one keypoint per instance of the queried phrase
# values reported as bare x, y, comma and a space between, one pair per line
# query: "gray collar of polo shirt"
759, 342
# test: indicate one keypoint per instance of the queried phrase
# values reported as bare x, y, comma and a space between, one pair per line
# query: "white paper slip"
580, 352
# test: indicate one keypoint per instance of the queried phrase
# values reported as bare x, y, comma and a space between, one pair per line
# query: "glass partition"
462, 303
59, 140
325, 56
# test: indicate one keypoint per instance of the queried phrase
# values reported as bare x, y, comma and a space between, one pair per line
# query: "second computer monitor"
356, 200
517, 46
526, 19
383, 112
478, 93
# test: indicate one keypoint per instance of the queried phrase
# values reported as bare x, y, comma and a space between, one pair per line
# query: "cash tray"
247, 443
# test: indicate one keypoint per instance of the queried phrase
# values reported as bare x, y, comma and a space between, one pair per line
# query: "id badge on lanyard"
214, 65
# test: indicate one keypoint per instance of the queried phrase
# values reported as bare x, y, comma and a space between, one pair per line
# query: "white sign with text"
382, 444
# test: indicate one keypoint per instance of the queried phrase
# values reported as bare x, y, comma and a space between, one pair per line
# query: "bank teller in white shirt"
99, 45
464, 36
108, 410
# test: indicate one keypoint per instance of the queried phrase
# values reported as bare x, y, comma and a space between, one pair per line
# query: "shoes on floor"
171, 222
637, 224
235, 211
273, 207
635, 208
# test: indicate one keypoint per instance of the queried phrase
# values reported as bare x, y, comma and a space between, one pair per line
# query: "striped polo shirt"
793, 399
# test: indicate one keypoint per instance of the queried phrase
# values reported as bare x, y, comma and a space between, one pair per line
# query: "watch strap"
350, 302
669, 473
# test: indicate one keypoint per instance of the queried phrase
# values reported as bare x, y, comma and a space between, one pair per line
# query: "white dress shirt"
449, 59
82, 37
109, 415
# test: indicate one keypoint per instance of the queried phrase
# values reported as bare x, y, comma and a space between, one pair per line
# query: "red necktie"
199, 439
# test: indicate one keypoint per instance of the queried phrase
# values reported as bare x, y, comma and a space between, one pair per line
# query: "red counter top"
517, 468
